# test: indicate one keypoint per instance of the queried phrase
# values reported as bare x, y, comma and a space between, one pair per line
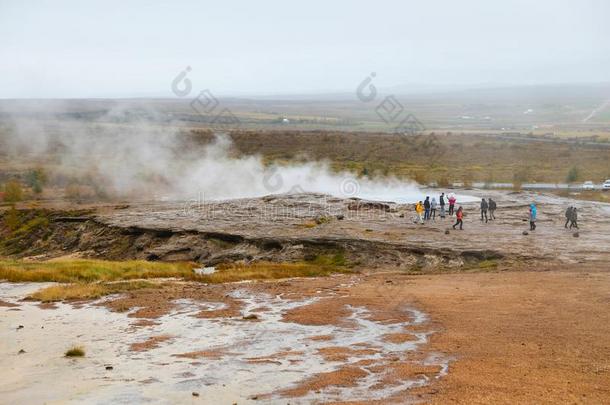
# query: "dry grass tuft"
269, 271
92, 279
75, 351
75, 271
81, 291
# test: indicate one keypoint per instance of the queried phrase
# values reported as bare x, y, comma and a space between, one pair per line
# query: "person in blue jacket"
533, 214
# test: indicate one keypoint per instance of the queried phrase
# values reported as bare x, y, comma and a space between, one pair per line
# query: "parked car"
588, 185
606, 185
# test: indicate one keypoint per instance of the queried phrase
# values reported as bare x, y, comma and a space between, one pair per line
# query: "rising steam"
145, 161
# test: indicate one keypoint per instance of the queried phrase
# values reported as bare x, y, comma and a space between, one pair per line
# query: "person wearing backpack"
459, 215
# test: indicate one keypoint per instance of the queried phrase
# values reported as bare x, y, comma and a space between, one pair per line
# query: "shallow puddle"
225, 360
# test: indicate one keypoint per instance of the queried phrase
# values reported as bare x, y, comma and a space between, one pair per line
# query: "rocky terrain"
368, 234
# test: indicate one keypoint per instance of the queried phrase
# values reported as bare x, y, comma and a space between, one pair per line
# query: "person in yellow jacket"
419, 208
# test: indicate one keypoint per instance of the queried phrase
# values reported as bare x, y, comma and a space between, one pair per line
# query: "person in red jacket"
459, 215
451, 204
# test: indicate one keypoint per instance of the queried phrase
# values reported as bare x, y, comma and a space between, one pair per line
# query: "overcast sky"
135, 48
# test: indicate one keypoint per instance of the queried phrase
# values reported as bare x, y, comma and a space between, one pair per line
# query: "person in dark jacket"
574, 218
427, 208
484, 207
492, 209
441, 202
568, 216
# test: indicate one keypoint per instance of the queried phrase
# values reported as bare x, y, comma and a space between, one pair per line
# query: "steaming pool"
384, 191
413, 197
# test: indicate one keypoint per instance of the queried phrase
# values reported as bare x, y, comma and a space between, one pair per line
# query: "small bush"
32, 225
488, 264
13, 192
36, 179
337, 259
322, 220
75, 351
573, 174
11, 219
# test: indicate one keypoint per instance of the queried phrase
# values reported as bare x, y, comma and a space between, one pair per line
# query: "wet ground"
256, 354
534, 336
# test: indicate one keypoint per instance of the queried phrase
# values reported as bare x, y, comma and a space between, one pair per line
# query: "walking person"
533, 215
574, 218
492, 209
451, 204
433, 208
459, 215
568, 217
419, 209
484, 207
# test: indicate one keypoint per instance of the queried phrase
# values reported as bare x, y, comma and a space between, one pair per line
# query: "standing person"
459, 215
533, 215
484, 207
492, 209
419, 209
442, 212
433, 208
441, 202
574, 218
451, 204
427, 208
569, 217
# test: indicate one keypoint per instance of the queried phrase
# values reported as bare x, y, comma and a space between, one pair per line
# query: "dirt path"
519, 337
